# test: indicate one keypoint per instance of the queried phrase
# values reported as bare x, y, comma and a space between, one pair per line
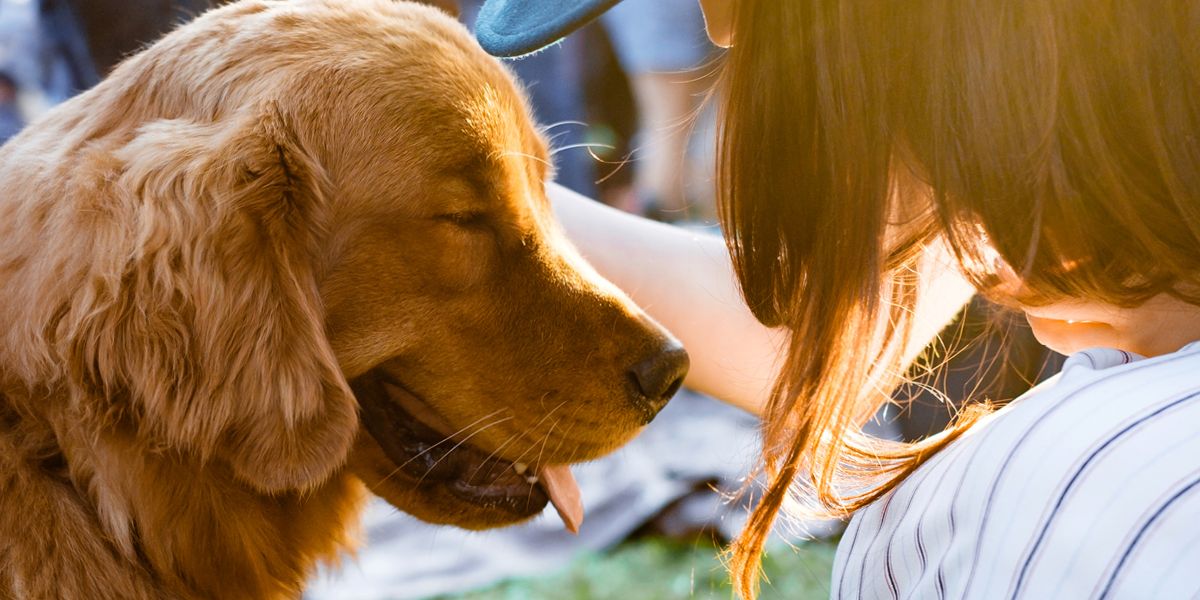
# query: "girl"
873, 153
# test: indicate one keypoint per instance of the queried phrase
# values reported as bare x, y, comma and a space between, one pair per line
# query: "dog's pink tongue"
564, 494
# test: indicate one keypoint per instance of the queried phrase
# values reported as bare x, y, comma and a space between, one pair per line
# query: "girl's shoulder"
1088, 485
1100, 396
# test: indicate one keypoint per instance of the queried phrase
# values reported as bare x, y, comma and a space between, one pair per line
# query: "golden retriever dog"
292, 252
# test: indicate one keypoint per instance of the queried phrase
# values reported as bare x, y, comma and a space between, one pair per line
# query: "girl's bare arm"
684, 279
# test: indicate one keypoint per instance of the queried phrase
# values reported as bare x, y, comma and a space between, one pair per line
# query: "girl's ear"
215, 331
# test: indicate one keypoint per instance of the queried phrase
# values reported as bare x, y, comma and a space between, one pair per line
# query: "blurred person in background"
662, 46
655, 49
11, 120
67, 64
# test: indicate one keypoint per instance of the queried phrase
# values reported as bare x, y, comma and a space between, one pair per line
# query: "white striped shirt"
1088, 486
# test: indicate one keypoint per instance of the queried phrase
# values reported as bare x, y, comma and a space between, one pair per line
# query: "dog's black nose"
658, 377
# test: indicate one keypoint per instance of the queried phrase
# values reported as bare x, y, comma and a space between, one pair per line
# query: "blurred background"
621, 100
623, 103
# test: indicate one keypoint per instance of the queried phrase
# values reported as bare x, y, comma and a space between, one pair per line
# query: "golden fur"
200, 257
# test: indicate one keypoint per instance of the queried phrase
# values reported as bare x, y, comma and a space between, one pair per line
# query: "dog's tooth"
520, 468
532, 479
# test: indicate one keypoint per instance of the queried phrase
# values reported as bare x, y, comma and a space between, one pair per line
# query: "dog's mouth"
429, 452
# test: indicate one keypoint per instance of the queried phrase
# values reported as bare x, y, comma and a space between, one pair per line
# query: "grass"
657, 569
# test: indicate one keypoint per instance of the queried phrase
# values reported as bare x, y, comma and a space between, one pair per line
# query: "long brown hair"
1054, 140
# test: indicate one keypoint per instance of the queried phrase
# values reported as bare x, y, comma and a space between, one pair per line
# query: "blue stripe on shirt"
1142, 531
1075, 395
1031, 553
983, 469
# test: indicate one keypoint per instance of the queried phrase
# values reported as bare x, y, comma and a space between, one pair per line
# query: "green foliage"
656, 569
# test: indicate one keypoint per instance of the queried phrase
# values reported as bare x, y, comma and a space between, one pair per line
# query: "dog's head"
324, 237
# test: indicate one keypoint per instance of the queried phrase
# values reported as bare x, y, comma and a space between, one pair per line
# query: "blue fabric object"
516, 27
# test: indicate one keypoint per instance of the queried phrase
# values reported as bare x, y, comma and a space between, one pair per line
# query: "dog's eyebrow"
478, 172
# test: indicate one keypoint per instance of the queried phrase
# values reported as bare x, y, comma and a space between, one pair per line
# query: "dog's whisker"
588, 145
547, 128
534, 426
542, 400
549, 414
546, 438
387, 477
481, 429
451, 436
620, 164
553, 139
567, 434
459, 444
444, 440
512, 438
521, 458
491, 469
456, 446
527, 155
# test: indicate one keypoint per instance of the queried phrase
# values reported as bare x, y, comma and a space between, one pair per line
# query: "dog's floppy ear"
213, 328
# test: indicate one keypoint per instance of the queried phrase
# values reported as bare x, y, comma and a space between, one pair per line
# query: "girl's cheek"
1068, 338
718, 20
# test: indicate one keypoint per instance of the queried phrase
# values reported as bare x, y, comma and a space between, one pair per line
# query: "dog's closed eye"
466, 218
